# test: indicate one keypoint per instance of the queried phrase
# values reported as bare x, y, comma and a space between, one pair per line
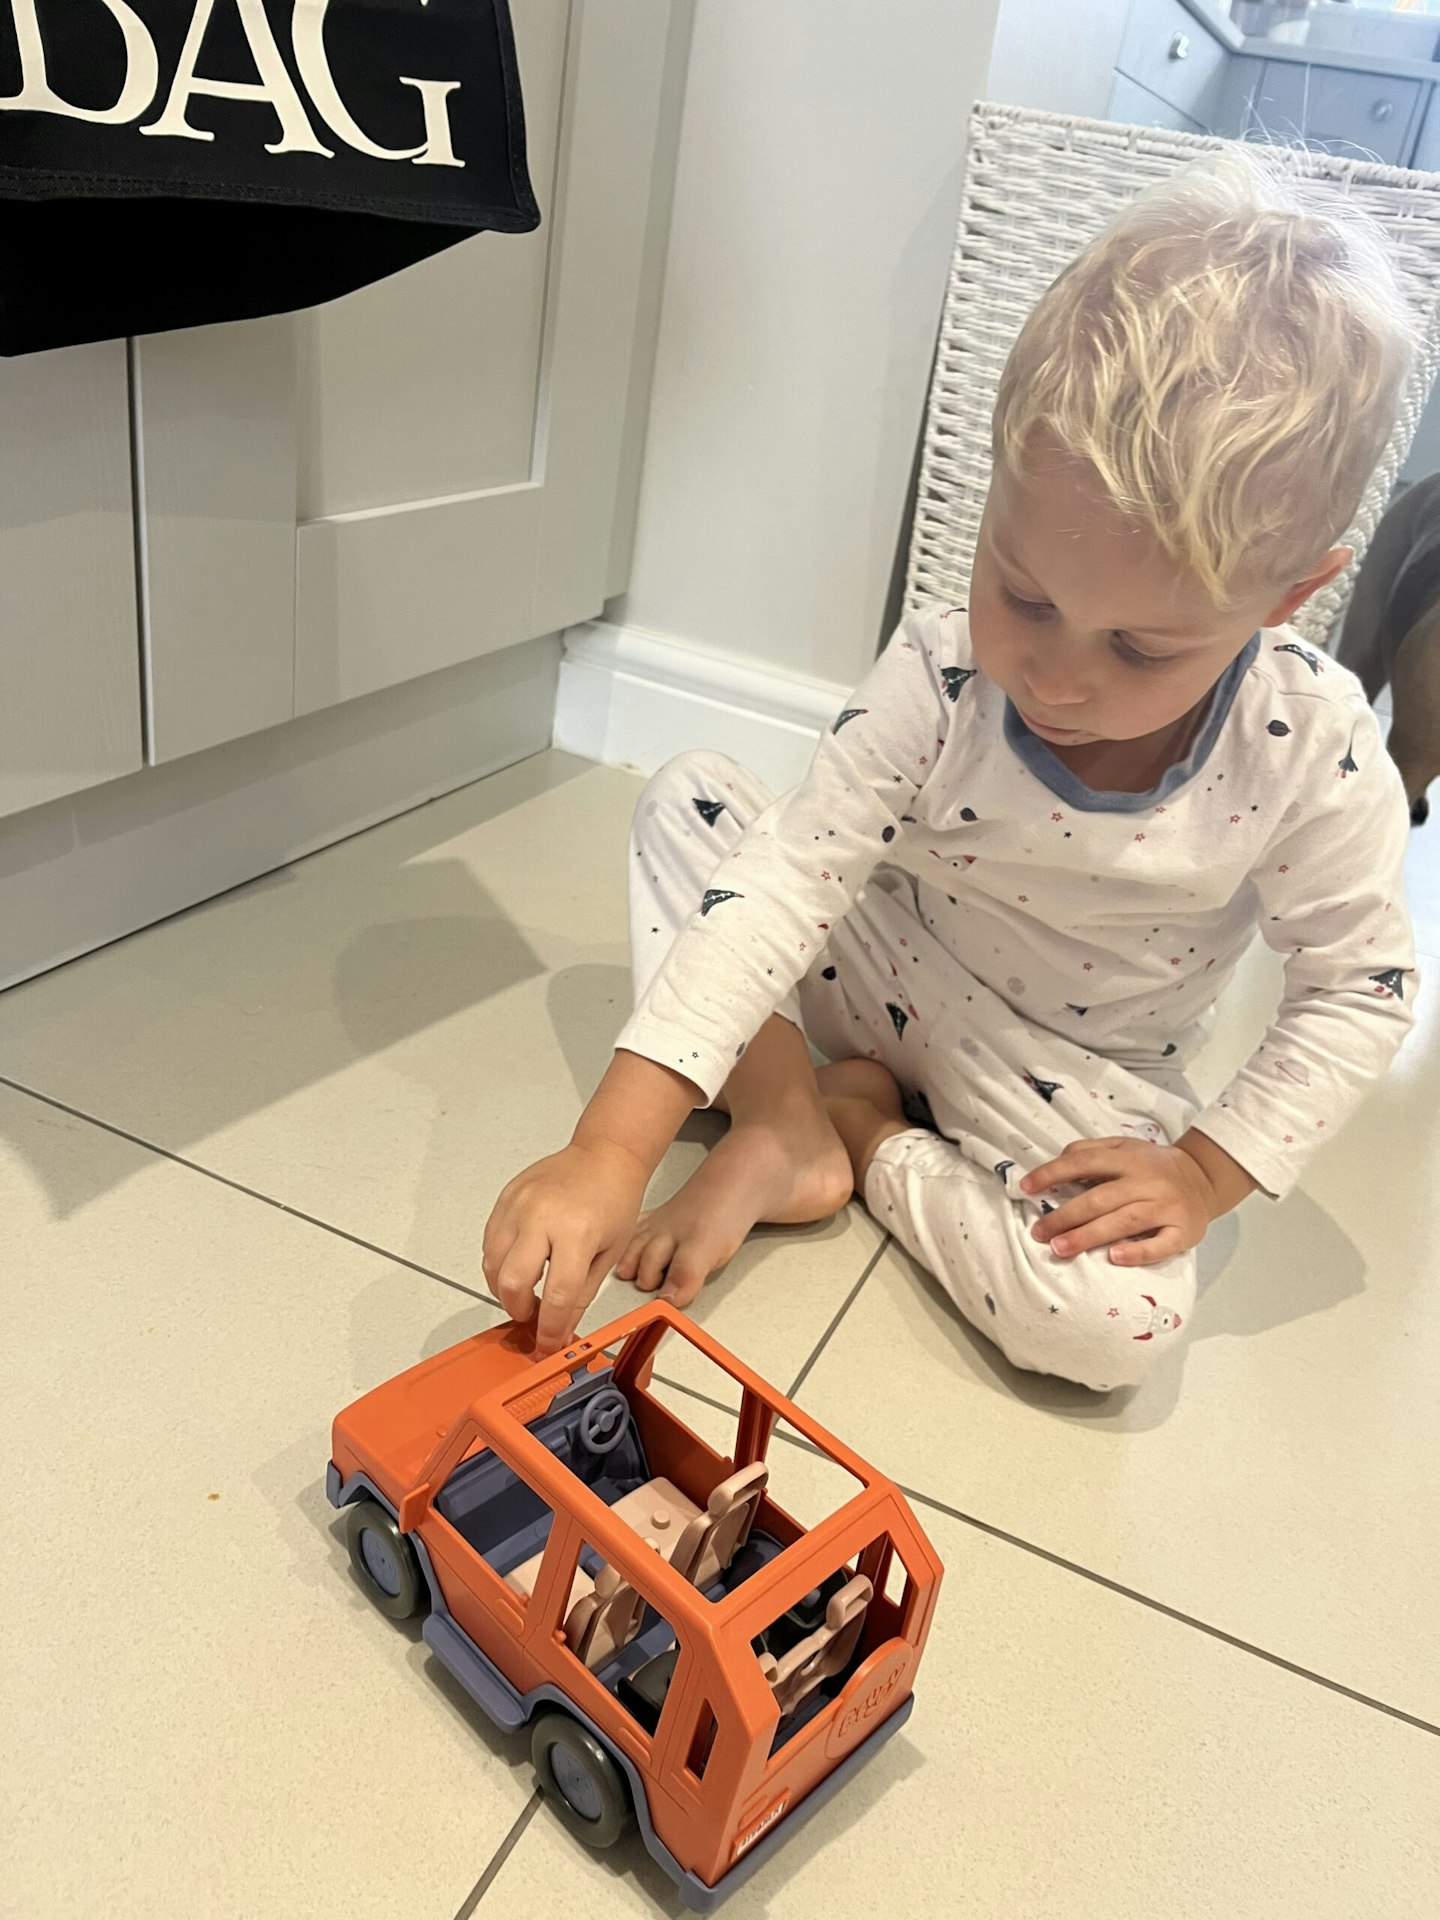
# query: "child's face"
1085, 622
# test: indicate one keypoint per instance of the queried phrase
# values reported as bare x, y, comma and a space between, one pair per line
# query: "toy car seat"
604, 1620
826, 1652
713, 1538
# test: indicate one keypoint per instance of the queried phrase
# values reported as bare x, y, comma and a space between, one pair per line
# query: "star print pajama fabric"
1037, 962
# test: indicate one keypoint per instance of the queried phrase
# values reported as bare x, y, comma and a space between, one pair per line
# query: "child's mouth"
1048, 732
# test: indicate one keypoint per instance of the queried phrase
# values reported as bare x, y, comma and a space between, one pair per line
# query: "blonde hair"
1228, 357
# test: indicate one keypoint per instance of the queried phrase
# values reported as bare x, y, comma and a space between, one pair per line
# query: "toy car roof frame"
500, 1418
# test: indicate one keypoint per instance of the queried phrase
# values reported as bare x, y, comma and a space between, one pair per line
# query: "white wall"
819, 179
1058, 55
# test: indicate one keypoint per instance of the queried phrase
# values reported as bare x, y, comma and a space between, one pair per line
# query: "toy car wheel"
384, 1560
579, 1776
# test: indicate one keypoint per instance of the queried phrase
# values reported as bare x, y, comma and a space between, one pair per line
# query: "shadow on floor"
434, 944
1258, 1270
588, 1004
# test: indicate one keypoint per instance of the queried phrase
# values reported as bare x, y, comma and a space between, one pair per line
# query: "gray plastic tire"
384, 1560
581, 1780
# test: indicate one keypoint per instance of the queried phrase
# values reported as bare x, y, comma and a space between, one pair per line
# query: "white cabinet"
430, 469
69, 657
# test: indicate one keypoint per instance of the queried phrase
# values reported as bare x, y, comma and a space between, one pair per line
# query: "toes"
654, 1259
626, 1265
686, 1277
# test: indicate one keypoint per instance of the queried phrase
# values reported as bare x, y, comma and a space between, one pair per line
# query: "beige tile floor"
1185, 1664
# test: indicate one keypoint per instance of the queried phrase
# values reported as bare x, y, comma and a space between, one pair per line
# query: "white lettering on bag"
142, 69
274, 85
436, 150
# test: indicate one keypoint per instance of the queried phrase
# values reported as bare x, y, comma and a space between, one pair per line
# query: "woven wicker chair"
1038, 186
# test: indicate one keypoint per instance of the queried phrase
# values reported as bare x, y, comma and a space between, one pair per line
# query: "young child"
1037, 841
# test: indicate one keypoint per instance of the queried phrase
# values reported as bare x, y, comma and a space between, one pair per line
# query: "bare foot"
863, 1101
789, 1168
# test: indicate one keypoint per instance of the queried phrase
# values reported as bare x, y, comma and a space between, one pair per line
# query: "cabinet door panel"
69, 647
432, 465
1170, 54
215, 466
1135, 106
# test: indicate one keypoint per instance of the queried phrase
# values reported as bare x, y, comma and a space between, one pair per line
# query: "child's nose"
1054, 690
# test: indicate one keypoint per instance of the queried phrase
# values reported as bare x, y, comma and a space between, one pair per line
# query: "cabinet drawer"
1169, 53
1136, 106
1339, 111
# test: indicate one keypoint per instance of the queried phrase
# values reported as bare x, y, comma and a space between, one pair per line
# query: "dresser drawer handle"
1383, 110
1180, 47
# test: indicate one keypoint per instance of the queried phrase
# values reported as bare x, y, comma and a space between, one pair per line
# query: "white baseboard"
79, 873
634, 699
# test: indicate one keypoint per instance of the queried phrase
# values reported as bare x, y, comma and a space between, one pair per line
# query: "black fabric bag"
167, 163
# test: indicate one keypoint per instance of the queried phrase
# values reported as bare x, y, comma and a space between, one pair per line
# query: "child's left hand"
1145, 1202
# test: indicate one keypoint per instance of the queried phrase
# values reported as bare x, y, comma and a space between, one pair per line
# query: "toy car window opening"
506, 1521
594, 1428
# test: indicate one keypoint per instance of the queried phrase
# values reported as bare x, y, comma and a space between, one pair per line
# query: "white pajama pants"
998, 1095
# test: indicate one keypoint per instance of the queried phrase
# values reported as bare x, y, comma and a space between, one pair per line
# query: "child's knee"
1105, 1326
1085, 1320
698, 775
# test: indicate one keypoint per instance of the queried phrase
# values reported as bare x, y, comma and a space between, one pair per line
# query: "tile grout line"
1171, 1613
833, 1328
1101, 1580
926, 1500
502, 1853
252, 1193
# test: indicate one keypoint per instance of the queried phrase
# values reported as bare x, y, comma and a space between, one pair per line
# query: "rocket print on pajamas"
1155, 1318
1047, 1089
1390, 983
850, 713
954, 678
715, 896
1311, 660
709, 810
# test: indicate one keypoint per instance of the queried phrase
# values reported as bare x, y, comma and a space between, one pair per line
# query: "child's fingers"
1149, 1251
1081, 1160
565, 1298
1097, 1201
1122, 1223
518, 1274
493, 1248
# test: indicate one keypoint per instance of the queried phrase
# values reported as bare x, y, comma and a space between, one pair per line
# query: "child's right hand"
569, 1217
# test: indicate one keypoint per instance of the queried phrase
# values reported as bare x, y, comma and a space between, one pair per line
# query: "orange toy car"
691, 1655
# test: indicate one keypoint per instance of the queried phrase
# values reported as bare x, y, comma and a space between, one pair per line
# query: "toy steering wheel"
605, 1421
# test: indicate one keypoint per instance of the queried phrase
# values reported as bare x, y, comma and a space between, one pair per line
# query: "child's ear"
1320, 575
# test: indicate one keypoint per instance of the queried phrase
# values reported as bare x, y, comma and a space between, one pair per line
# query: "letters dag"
274, 86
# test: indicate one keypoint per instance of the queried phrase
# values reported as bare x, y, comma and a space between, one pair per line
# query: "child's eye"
1132, 656
1028, 609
